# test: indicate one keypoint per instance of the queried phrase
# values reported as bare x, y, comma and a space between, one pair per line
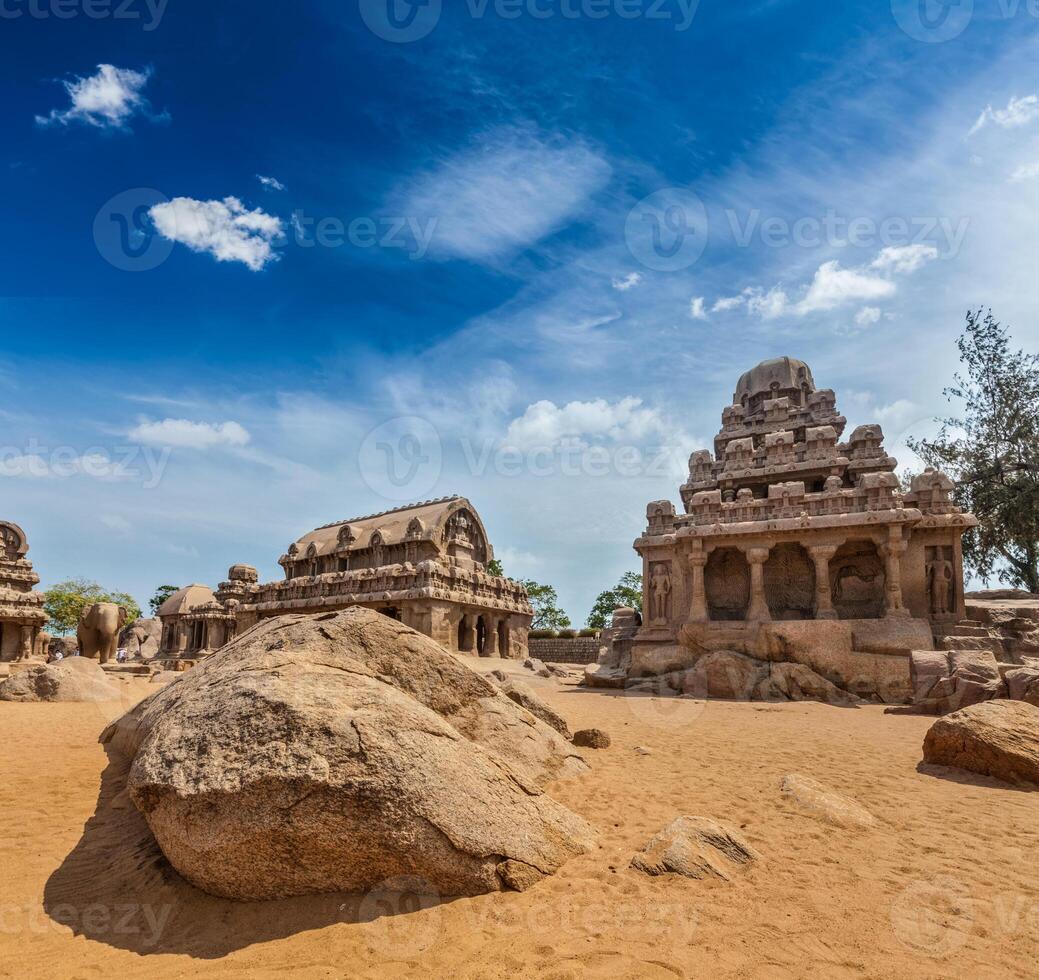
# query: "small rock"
592, 738
499, 675
640, 750
695, 847
826, 803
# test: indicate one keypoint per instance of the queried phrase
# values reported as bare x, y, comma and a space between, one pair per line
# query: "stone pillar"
698, 613
490, 644
758, 611
25, 642
821, 555
892, 552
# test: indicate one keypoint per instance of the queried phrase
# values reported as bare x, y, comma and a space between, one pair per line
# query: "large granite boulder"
522, 695
141, 639
330, 753
995, 738
73, 679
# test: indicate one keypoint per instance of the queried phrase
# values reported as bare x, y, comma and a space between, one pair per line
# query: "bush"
543, 635
589, 634
568, 634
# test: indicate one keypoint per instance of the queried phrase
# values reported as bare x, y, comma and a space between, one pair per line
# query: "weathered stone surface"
730, 676
592, 738
329, 753
995, 738
696, 848
599, 675
74, 679
526, 698
825, 802
141, 639
945, 681
1023, 684
538, 667
796, 682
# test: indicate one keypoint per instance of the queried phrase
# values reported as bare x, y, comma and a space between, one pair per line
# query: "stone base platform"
866, 657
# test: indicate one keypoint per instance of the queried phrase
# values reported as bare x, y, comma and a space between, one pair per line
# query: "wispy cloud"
184, 434
509, 190
107, 100
630, 281
271, 183
1019, 112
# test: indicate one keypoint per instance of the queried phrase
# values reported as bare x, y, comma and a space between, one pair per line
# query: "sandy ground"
944, 885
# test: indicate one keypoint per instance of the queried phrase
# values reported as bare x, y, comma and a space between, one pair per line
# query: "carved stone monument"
795, 545
21, 609
425, 565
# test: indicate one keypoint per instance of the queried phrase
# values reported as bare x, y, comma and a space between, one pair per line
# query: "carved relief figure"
940, 578
9, 541
660, 593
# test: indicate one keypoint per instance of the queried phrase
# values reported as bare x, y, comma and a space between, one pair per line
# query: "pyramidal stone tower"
796, 545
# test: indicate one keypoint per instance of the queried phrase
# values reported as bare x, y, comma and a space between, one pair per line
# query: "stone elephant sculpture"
98, 631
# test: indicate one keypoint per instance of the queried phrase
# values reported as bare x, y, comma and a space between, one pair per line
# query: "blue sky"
523, 257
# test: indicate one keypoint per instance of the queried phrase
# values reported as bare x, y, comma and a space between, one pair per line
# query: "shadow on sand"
965, 778
116, 887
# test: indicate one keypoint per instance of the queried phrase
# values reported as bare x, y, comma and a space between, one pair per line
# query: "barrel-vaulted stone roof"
421, 521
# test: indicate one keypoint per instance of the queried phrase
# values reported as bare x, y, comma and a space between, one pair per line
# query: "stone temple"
796, 545
424, 565
21, 609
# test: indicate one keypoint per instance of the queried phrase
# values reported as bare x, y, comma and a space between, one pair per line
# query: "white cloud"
225, 229
116, 523
271, 183
697, 309
1019, 112
630, 281
768, 305
505, 193
867, 316
834, 286
545, 424
107, 100
727, 303
1027, 171
182, 434
904, 259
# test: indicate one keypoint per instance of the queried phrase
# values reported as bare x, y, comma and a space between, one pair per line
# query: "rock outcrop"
141, 639
73, 679
592, 738
947, 680
731, 676
695, 847
329, 753
523, 696
994, 738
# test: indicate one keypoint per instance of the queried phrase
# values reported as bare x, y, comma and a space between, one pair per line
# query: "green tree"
547, 614
628, 592
494, 567
162, 593
65, 602
991, 450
